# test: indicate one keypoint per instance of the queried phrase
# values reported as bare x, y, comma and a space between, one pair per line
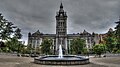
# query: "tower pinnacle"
61, 6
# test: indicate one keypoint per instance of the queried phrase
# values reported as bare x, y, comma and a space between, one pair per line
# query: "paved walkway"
14, 61
107, 61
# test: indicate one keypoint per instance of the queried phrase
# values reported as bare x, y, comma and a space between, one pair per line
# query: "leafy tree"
110, 43
29, 49
99, 49
21, 47
2, 44
117, 33
114, 50
18, 34
38, 50
6, 28
85, 51
9, 33
14, 45
46, 46
118, 51
77, 46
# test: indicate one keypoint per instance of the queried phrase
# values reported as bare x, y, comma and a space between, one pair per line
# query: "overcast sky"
32, 15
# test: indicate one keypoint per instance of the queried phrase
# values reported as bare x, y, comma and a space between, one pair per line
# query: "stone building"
61, 36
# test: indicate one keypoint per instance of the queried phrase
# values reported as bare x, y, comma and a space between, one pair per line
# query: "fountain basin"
66, 60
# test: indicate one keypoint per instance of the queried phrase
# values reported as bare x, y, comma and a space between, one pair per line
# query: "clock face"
61, 14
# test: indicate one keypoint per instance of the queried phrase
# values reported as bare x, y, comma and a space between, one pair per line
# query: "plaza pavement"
14, 61
107, 61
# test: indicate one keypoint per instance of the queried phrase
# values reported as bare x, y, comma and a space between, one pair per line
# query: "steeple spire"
61, 6
61, 11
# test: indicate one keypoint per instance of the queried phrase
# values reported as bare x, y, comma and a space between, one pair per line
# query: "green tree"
110, 43
117, 33
6, 28
99, 49
11, 34
18, 34
85, 51
21, 47
14, 45
46, 46
29, 49
77, 46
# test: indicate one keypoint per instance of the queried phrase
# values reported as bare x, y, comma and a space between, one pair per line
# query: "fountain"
60, 52
61, 59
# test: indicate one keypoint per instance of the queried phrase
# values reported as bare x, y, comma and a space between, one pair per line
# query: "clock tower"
61, 30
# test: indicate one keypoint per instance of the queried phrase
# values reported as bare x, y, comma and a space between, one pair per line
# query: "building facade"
61, 37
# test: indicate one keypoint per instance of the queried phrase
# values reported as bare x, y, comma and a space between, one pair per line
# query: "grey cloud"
31, 15
94, 14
